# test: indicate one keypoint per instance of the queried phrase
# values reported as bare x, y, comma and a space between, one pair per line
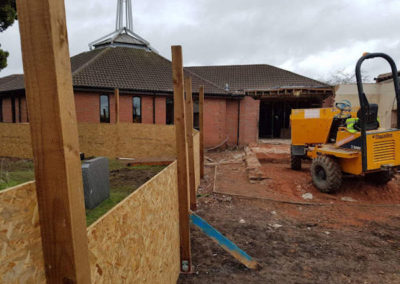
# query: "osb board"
21, 258
138, 240
15, 140
196, 146
127, 140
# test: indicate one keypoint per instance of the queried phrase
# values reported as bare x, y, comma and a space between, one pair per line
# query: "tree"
343, 77
8, 14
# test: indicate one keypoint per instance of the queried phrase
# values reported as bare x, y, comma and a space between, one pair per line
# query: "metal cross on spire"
123, 34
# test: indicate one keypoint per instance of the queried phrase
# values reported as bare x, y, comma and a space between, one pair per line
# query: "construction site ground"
296, 233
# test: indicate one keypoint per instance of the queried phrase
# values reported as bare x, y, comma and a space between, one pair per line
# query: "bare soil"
322, 240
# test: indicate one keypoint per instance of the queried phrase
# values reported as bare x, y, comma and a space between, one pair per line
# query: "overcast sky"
310, 37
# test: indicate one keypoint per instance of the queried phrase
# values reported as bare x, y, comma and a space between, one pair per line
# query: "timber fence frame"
55, 145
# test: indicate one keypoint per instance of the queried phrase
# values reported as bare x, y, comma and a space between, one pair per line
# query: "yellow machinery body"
311, 129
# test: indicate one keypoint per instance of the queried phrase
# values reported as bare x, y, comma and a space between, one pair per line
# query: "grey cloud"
288, 33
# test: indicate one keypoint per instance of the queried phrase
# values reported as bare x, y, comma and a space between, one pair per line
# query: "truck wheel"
326, 174
295, 163
379, 178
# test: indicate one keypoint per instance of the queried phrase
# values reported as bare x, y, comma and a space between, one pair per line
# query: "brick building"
242, 102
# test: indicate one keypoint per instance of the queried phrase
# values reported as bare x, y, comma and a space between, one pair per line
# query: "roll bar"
364, 104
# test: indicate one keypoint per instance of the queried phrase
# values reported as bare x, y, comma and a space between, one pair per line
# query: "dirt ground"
352, 236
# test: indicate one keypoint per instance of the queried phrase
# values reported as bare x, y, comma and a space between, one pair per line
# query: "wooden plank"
181, 151
189, 137
201, 124
116, 96
138, 240
52, 115
224, 242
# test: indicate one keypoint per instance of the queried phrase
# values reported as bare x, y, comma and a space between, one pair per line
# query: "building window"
137, 109
104, 109
19, 110
13, 109
170, 110
196, 124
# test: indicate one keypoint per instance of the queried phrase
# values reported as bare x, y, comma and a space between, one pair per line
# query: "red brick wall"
87, 107
147, 109
125, 108
220, 115
24, 110
214, 121
232, 121
7, 114
249, 114
328, 102
161, 110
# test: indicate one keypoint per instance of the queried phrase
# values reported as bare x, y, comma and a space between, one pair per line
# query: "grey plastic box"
96, 181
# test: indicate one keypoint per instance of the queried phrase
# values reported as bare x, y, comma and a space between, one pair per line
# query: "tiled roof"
125, 68
385, 76
254, 77
12, 83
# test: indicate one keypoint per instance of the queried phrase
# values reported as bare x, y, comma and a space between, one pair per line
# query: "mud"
323, 240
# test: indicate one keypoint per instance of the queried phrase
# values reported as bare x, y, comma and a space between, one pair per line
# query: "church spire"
124, 7
123, 34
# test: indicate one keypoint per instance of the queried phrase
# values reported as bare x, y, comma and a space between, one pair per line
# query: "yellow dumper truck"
342, 140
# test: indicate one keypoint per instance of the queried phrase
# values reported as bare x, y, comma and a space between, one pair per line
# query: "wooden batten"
116, 97
189, 136
55, 145
201, 124
181, 151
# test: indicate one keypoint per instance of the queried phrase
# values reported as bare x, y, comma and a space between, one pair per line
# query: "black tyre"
295, 163
379, 178
326, 174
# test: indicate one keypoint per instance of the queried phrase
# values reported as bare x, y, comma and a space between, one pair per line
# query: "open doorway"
274, 121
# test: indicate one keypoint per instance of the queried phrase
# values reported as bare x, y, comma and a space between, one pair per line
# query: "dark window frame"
106, 119
135, 116
196, 114
19, 110
13, 114
169, 120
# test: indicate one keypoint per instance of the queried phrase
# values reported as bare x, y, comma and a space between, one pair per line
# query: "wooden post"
201, 122
181, 151
116, 97
189, 135
54, 133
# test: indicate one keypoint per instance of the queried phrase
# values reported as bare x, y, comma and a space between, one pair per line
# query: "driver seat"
371, 118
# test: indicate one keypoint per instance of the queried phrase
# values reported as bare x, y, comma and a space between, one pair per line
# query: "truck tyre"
326, 174
379, 178
295, 162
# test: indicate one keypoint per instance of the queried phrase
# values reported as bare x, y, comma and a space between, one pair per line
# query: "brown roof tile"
254, 77
12, 83
125, 68
385, 76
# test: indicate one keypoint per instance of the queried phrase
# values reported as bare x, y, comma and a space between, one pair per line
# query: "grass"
95, 213
14, 172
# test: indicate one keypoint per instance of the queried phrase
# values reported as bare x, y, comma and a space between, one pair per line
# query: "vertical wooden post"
54, 132
189, 135
201, 122
181, 151
116, 97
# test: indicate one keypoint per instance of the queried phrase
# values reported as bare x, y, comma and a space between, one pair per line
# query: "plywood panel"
138, 240
21, 255
126, 140
196, 146
15, 140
